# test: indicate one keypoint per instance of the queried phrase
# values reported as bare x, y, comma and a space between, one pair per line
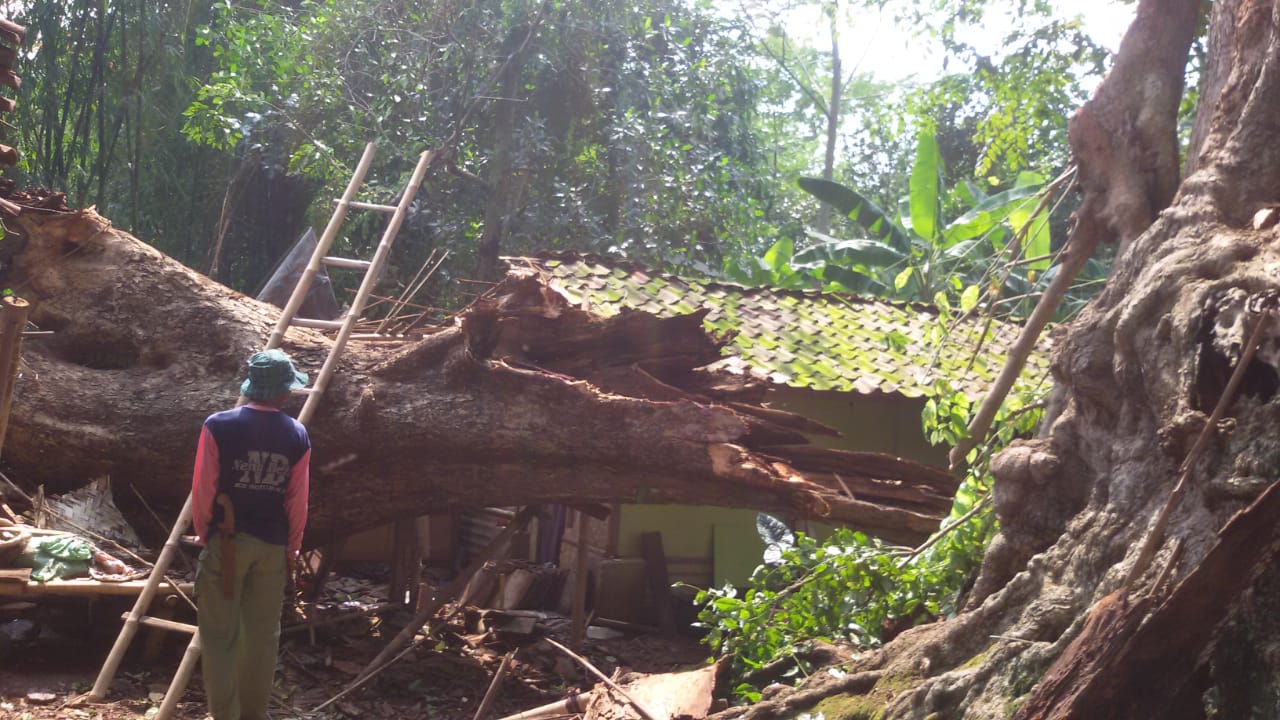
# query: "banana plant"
919, 255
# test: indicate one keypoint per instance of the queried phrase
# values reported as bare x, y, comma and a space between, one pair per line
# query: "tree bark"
1058, 629
526, 400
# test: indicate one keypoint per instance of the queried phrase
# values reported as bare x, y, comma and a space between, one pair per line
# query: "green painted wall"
718, 545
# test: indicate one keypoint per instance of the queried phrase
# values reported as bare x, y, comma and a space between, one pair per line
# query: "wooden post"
180, 679
655, 568
406, 563
13, 318
164, 610
140, 606
578, 628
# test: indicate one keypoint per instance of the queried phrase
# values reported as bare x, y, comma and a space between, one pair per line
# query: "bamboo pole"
492, 692
131, 625
397, 303
13, 317
366, 287
180, 679
1078, 253
572, 705
322, 248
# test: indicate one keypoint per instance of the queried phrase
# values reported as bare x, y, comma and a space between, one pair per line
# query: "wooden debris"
685, 695
393, 651
644, 713
579, 620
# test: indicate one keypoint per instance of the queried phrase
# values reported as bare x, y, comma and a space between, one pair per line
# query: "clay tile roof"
807, 339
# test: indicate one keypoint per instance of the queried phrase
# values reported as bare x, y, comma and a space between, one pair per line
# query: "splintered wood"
668, 696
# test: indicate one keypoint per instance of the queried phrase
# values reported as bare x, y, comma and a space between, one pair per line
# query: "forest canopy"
668, 132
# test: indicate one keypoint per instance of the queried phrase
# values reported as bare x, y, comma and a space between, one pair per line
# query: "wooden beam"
406, 564
655, 569
578, 623
88, 588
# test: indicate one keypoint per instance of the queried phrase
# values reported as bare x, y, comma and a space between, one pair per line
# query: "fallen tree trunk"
525, 400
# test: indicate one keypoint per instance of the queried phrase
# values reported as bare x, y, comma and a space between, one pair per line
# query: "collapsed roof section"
807, 339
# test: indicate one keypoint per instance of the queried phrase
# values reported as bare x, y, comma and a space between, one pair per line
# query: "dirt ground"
445, 677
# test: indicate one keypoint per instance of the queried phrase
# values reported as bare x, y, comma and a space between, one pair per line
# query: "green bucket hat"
271, 374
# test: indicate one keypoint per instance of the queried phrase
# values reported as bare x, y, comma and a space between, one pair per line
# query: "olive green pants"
240, 637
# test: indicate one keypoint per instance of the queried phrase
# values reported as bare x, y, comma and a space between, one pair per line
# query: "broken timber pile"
525, 400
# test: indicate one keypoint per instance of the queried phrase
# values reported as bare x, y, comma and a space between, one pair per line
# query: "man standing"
249, 507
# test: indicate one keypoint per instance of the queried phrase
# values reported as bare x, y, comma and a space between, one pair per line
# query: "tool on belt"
227, 528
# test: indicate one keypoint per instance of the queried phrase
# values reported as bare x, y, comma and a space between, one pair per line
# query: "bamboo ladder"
137, 618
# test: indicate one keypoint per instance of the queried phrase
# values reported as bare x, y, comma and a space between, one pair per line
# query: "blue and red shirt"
260, 457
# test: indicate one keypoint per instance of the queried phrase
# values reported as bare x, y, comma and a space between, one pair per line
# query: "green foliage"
102, 84
630, 127
919, 255
853, 588
1011, 104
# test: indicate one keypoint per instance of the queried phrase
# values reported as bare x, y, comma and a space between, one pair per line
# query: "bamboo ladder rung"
347, 263
155, 622
318, 324
356, 204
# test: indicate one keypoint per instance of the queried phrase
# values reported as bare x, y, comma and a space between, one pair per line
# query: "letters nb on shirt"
261, 470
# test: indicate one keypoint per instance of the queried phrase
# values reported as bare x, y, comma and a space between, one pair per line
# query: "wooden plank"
655, 565
86, 588
10, 577
578, 624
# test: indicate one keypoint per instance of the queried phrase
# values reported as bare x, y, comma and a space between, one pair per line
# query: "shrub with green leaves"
853, 588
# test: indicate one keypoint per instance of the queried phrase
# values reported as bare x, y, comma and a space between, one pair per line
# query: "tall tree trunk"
1070, 620
507, 177
833, 112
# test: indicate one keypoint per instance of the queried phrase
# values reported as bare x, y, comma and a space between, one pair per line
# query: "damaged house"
859, 369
